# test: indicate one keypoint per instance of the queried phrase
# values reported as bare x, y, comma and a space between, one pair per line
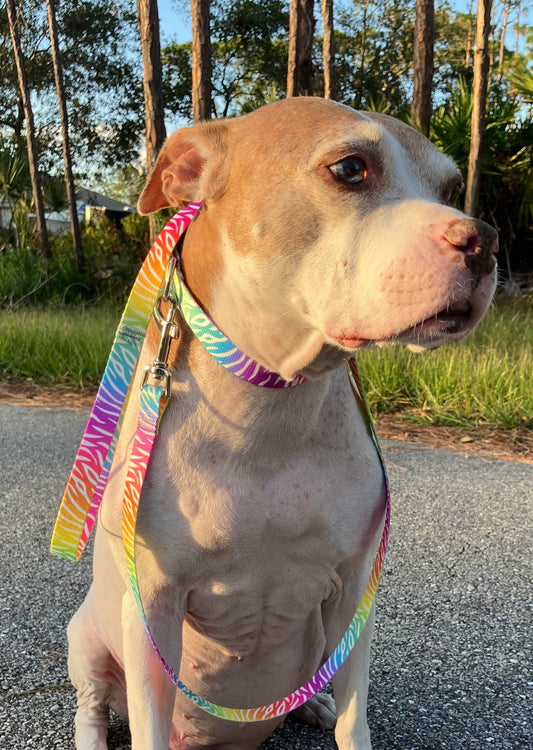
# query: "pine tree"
13, 20
479, 92
201, 60
67, 159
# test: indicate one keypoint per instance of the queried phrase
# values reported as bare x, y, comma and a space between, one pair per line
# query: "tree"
12, 14
249, 47
102, 79
177, 80
375, 48
249, 59
328, 50
503, 32
201, 60
300, 63
33, 35
14, 182
479, 92
67, 159
423, 64
506, 194
470, 32
154, 113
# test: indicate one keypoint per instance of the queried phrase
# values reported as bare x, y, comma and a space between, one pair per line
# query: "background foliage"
56, 324
103, 80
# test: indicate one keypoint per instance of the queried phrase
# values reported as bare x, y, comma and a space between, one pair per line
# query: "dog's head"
328, 230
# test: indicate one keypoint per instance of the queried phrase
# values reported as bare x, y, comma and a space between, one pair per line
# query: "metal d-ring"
166, 294
169, 330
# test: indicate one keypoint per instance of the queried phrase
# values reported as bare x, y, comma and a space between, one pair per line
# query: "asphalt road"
451, 663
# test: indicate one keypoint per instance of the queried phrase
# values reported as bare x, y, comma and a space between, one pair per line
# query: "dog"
322, 231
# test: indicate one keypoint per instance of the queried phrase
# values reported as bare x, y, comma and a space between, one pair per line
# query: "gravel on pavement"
451, 659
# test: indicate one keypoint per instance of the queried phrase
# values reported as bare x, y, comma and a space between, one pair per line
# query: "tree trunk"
67, 159
154, 113
300, 63
292, 64
30, 128
423, 64
517, 29
201, 60
468, 41
328, 50
491, 40
479, 93
364, 30
502, 44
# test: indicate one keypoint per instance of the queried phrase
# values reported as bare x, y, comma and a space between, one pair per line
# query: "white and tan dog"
323, 230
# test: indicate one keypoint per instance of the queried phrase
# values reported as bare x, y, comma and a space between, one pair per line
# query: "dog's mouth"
453, 320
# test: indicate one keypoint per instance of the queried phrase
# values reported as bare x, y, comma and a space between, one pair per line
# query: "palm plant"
15, 191
507, 171
55, 194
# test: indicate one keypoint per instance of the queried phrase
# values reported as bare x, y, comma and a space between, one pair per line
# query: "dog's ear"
188, 168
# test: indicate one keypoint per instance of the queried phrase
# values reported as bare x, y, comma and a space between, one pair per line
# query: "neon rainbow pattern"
89, 475
221, 348
85, 487
140, 456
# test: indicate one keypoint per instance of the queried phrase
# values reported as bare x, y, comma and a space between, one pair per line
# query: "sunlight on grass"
57, 346
485, 379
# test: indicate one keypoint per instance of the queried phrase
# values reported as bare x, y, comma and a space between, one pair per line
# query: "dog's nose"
477, 240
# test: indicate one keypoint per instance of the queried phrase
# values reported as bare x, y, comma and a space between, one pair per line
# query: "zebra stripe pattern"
151, 404
220, 347
85, 487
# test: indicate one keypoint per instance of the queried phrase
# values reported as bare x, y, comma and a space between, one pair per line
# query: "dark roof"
92, 198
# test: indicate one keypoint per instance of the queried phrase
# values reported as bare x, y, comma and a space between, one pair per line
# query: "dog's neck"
294, 348
201, 260
263, 423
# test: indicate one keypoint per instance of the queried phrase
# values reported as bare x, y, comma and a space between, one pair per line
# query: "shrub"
22, 274
112, 259
506, 197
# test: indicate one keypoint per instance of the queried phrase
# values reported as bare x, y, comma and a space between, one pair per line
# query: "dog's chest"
260, 545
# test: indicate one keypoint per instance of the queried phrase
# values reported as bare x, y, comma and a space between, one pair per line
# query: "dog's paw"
319, 712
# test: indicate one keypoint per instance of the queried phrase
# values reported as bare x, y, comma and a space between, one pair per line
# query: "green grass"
56, 346
487, 379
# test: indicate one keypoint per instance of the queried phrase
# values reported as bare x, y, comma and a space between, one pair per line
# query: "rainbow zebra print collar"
90, 472
218, 344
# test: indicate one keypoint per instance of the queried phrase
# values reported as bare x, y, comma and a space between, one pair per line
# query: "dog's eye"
453, 194
352, 170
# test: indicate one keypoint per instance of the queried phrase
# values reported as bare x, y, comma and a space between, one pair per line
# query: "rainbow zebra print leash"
90, 472
91, 469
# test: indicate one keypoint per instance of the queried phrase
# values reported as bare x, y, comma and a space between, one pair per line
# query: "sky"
175, 19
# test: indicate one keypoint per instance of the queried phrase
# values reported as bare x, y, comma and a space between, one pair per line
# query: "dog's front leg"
151, 694
350, 688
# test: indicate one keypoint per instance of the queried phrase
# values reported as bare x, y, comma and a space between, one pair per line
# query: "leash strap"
88, 478
89, 475
140, 456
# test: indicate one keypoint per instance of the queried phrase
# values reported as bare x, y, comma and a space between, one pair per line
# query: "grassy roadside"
56, 346
486, 379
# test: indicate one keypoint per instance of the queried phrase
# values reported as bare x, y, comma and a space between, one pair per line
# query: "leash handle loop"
88, 478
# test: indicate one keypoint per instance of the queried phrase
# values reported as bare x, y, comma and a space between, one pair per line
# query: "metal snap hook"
169, 330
